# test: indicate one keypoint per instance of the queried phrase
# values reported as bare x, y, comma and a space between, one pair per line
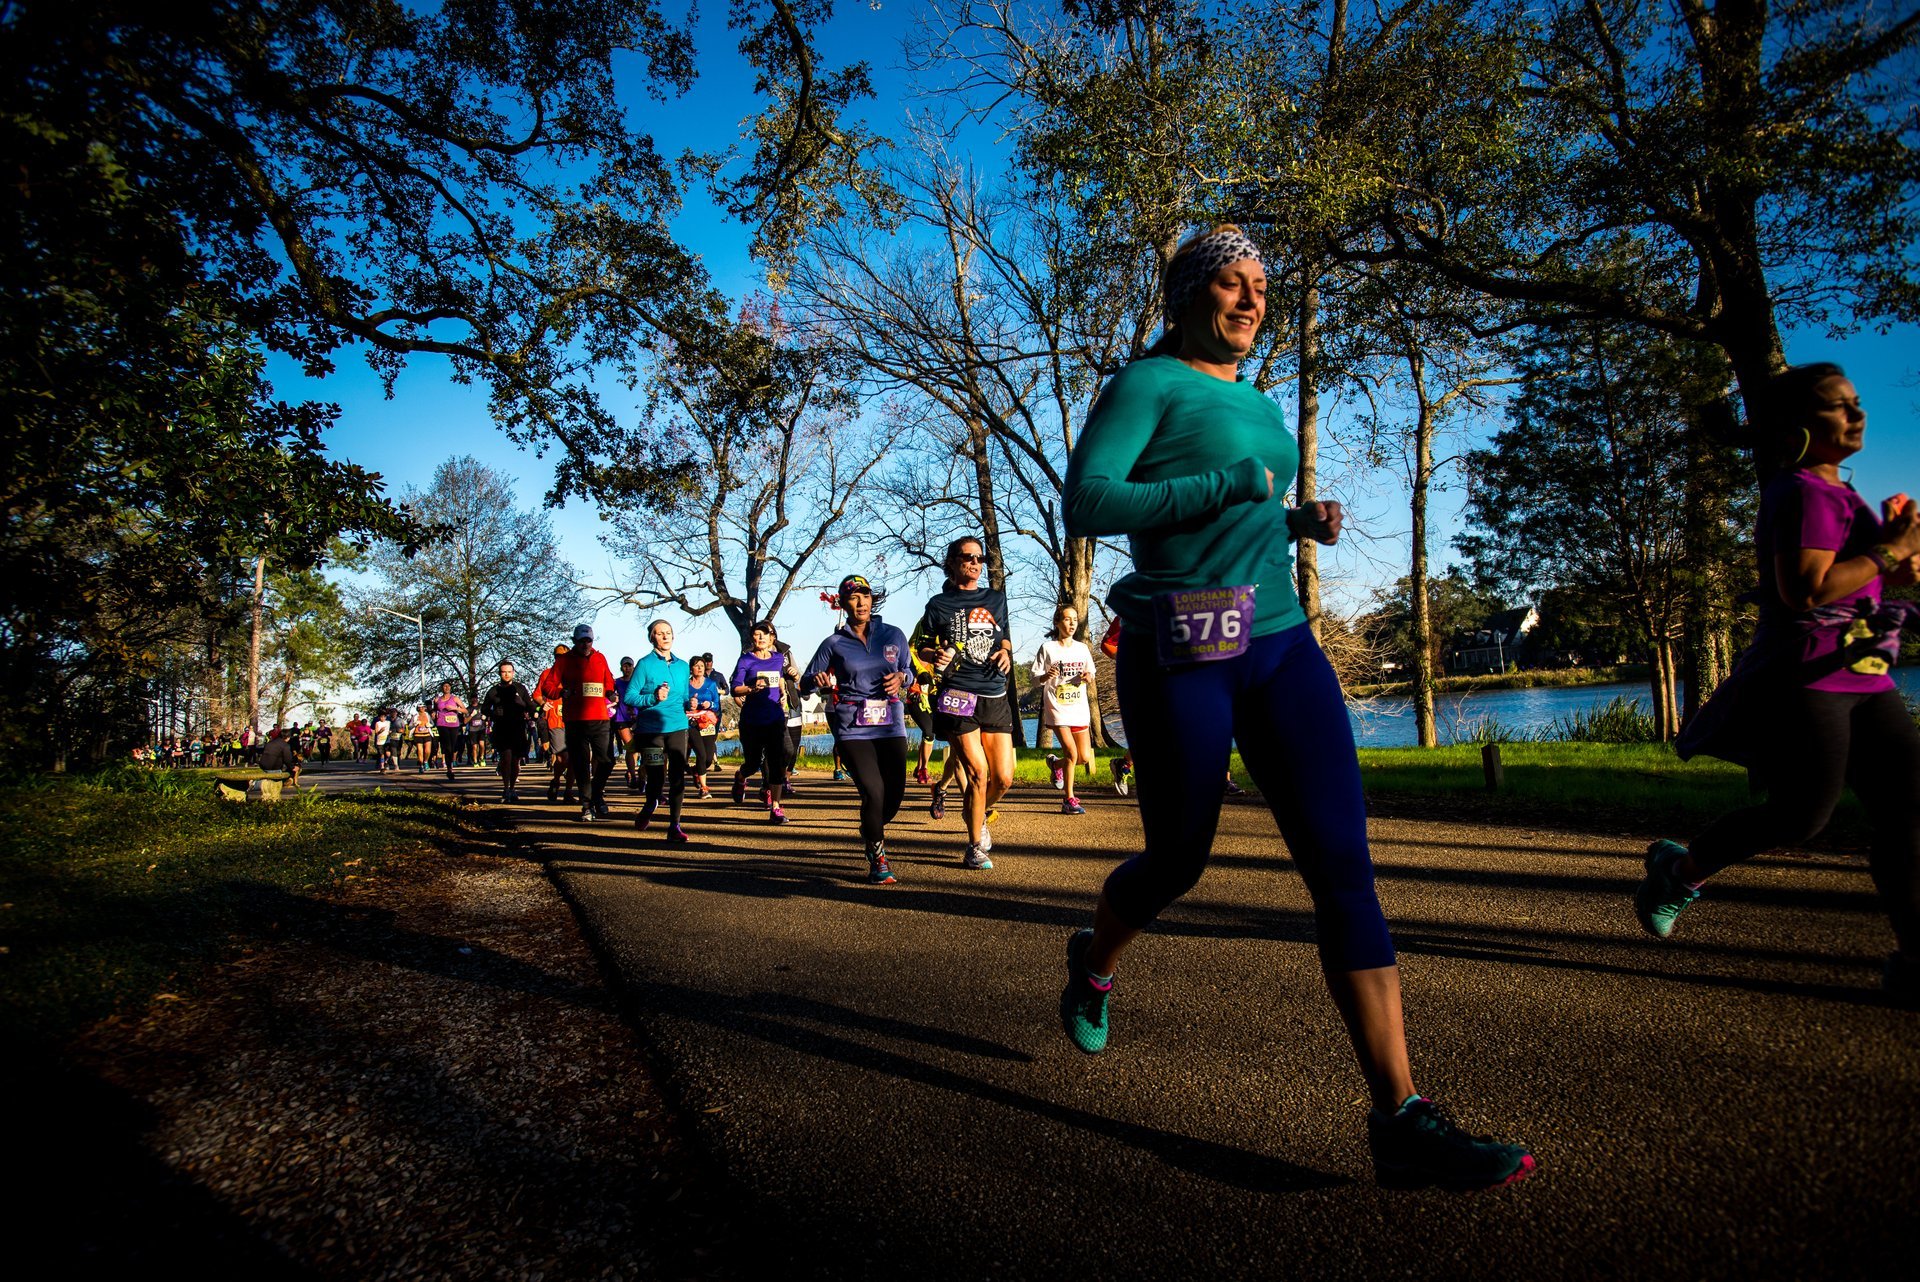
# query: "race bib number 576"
1201, 625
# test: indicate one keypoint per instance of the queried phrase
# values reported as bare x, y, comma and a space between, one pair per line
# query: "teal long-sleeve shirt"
658, 716
1177, 461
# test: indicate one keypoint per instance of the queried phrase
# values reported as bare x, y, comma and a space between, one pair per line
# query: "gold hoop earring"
1806, 443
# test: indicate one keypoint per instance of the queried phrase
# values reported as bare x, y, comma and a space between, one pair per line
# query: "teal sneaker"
1661, 896
1419, 1146
1083, 1008
878, 873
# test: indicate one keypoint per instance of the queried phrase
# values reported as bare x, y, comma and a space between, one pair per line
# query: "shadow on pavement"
370, 933
618, 838
97, 1201
763, 1017
1507, 945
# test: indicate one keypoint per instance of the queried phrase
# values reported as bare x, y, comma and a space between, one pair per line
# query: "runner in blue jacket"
657, 695
864, 668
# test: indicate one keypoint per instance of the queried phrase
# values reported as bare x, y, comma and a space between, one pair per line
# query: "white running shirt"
1067, 666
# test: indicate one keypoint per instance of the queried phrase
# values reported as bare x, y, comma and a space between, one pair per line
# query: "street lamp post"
414, 619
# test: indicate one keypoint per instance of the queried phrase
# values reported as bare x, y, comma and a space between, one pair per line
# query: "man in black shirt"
509, 707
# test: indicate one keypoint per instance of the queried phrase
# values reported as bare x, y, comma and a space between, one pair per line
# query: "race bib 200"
1201, 625
875, 712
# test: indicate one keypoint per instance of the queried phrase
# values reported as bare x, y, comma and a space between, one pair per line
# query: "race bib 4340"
1200, 625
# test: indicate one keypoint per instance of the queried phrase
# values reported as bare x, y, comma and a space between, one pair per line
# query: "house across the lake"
1500, 644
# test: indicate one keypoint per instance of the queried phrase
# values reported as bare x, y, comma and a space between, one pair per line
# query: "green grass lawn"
110, 895
1642, 788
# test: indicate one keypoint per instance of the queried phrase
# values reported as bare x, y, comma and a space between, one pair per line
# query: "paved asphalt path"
880, 1072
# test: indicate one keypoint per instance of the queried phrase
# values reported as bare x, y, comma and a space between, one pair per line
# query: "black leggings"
665, 757
764, 749
590, 755
879, 770
702, 746
1816, 743
512, 750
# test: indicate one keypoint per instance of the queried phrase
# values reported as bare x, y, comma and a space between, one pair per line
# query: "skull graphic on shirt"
978, 644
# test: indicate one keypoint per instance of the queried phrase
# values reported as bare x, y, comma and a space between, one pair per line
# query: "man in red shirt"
586, 691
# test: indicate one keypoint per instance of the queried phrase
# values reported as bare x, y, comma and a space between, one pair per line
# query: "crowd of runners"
1189, 463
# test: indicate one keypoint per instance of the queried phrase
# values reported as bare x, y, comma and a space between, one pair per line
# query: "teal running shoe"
1083, 1008
878, 874
1421, 1147
976, 859
1661, 896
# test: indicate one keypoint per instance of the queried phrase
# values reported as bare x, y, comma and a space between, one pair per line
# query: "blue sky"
431, 418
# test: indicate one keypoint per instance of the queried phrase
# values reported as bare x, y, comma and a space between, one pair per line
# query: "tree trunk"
977, 445
216, 682
1711, 467
1076, 590
1423, 639
253, 641
1660, 679
1306, 488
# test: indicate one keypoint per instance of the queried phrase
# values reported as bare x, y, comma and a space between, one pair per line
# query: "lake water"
1388, 723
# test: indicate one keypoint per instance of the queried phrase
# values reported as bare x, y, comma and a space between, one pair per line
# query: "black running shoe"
1420, 1146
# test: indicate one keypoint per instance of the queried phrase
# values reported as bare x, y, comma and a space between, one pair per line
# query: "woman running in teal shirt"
1189, 461
657, 693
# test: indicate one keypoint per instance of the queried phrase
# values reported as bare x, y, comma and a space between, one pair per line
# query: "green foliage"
1454, 602
1604, 485
1484, 730
458, 180
809, 160
1703, 172
1638, 788
1619, 720
118, 890
129, 776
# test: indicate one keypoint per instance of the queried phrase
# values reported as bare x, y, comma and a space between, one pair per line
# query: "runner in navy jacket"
864, 667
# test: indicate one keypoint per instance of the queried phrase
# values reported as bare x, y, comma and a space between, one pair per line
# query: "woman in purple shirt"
863, 668
759, 687
1818, 710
